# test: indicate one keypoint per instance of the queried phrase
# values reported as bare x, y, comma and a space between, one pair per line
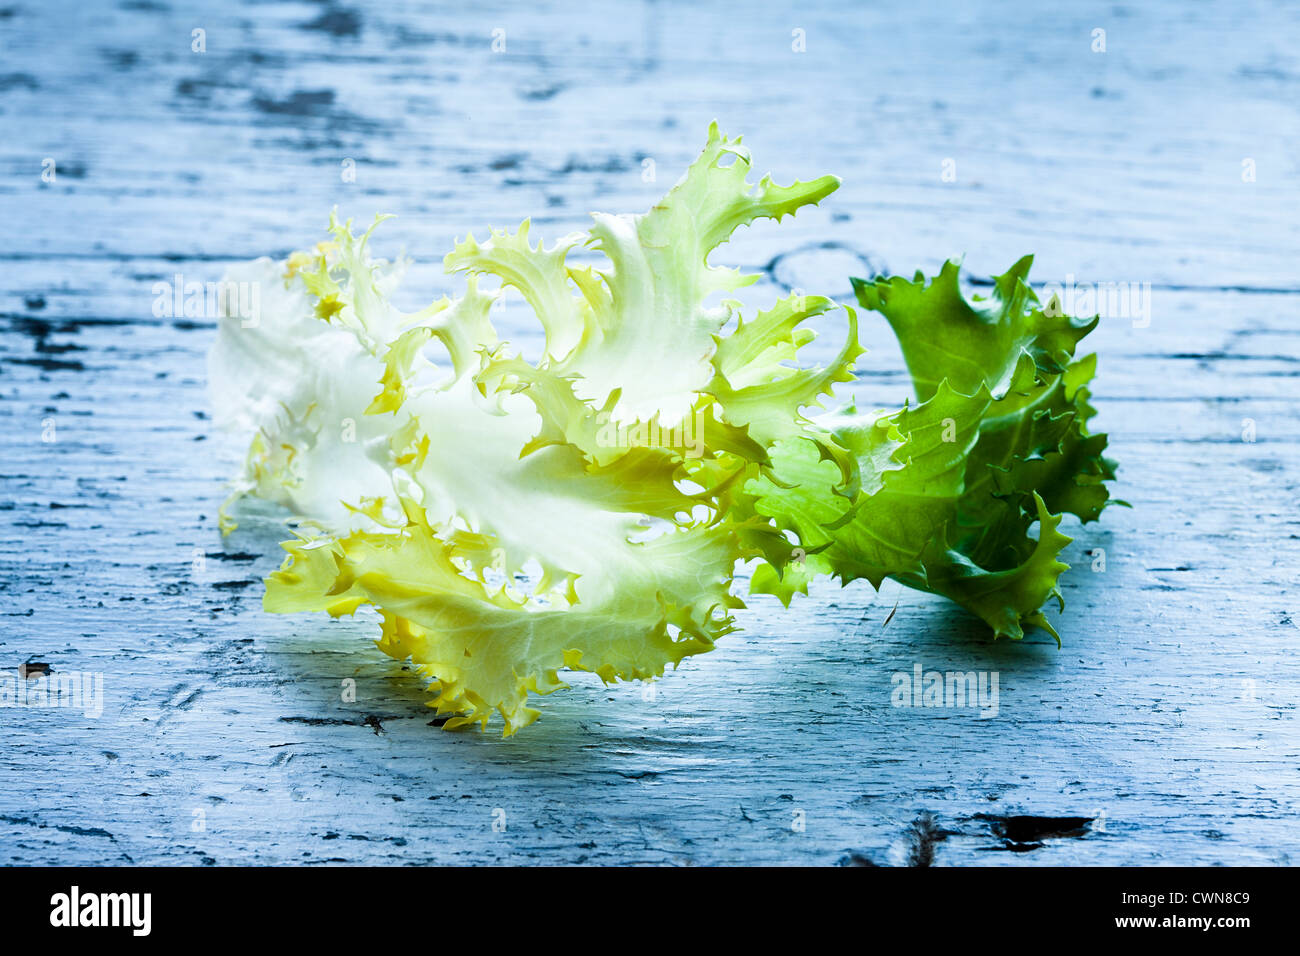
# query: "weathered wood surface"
1168, 718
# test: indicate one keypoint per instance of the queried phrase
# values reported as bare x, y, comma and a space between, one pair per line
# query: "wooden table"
1164, 730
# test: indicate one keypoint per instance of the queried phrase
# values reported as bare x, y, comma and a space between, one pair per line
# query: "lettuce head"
511, 518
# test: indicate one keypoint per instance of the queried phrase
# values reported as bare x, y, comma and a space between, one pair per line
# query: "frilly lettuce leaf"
510, 518
951, 487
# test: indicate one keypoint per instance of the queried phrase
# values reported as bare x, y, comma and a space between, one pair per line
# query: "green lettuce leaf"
950, 489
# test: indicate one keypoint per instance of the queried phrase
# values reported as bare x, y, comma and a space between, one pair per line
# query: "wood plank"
1168, 718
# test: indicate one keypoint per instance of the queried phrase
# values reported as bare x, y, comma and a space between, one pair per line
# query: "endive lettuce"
586, 510
606, 468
